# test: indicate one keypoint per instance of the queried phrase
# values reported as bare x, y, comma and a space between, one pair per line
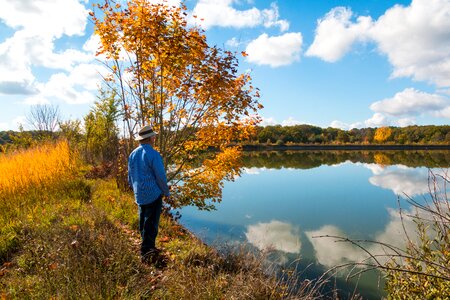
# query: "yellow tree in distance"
166, 75
382, 134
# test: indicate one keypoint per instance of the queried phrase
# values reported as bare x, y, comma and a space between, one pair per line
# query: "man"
147, 177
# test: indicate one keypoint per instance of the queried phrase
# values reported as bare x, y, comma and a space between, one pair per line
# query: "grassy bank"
67, 237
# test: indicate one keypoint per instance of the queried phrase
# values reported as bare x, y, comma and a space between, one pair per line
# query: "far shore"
265, 147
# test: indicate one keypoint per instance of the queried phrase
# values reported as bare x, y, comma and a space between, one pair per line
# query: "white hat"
145, 132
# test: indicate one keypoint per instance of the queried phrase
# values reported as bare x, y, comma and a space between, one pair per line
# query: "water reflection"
330, 253
402, 180
284, 199
274, 235
346, 252
285, 237
375, 168
314, 159
253, 170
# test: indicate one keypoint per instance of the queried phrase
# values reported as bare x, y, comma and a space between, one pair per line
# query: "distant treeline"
308, 134
5, 137
8, 137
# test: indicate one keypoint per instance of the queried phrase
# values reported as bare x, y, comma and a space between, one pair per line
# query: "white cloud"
15, 68
268, 121
38, 99
410, 102
15, 123
222, 13
339, 124
414, 38
377, 120
77, 87
444, 91
290, 122
19, 87
39, 51
38, 25
404, 105
60, 86
19, 121
92, 44
88, 76
335, 34
444, 113
169, 3
275, 51
45, 17
274, 235
271, 18
345, 126
406, 122
233, 42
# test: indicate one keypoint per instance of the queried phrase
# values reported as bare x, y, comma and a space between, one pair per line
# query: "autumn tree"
165, 74
382, 134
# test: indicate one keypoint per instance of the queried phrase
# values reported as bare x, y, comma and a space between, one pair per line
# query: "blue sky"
328, 63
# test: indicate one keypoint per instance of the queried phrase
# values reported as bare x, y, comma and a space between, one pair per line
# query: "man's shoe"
161, 261
151, 257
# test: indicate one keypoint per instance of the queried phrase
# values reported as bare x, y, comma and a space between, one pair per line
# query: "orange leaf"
164, 239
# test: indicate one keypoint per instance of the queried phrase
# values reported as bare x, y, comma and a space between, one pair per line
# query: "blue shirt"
146, 174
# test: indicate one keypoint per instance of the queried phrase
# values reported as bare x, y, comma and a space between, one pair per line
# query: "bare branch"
44, 117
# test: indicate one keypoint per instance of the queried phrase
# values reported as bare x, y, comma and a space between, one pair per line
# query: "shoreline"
343, 147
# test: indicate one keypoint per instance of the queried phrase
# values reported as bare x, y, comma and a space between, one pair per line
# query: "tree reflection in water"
312, 159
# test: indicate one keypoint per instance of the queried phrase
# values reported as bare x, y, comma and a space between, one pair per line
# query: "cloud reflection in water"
274, 235
402, 181
331, 253
399, 179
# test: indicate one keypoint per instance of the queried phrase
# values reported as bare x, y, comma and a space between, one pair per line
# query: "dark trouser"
148, 224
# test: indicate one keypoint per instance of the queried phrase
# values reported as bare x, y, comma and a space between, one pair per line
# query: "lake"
286, 200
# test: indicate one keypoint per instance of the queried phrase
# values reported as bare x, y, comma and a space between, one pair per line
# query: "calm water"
284, 200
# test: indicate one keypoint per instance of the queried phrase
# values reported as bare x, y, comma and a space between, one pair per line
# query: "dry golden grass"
37, 167
32, 181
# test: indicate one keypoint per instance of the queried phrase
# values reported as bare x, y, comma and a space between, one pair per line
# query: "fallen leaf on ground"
164, 239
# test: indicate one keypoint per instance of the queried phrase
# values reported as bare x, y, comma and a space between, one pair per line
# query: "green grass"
80, 241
